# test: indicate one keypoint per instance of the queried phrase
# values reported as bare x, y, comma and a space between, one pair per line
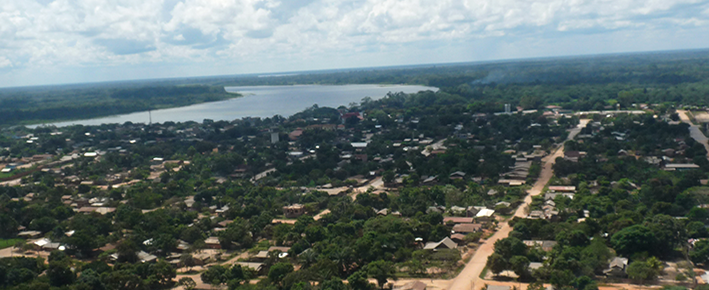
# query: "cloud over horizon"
45, 41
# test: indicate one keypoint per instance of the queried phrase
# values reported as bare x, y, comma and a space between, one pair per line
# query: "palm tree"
343, 259
308, 258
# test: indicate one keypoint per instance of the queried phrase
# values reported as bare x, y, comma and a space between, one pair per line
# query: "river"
258, 101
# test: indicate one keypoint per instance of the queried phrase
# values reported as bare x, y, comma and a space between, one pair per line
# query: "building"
213, 243
485, 215
253, 265
680, 166
562, 188
146, 258
467, 228
445, 243
458, 238
294, 210
574, 156
274, 137
546, 245
457, 220
295, 134
457, 175
30, 234
617, 267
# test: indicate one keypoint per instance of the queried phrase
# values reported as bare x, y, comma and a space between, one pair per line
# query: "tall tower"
507, 108
274, 137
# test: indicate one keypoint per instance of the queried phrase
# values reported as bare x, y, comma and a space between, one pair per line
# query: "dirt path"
376, 183
469, 278
321, 214
694, 131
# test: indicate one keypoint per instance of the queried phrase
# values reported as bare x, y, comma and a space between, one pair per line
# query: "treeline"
36, 106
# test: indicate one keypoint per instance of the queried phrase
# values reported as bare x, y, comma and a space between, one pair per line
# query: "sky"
76, 41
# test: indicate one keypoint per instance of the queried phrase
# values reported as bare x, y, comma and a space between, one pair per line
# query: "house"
562, 188
535, 265
383, 212
616, 267
574, 156
213, 243
546, 245
457, 220
445, 243
30, 234
253, 265
467, 228
680, 166
511, 182
473, 210
225, 223
458, 238
294, 211
279, 249
485, 215
457, 175
260, 256
146, 258
359, 145
553, 195
46, 244
101, 210
536, 214
295, 134
414, 285
438, 209
457, 210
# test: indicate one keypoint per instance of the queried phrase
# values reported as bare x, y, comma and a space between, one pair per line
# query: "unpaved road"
469, 278
376, 183
694, 131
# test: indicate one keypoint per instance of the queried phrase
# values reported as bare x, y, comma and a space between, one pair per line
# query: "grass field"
8, 243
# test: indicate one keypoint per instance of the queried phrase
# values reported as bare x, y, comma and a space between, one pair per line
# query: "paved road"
469, 278
694, 131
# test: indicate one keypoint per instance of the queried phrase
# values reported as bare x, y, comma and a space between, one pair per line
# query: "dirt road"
469, 278
376, 183
694, 131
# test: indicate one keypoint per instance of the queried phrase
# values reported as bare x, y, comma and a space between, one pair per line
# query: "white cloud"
98, 33
4, 62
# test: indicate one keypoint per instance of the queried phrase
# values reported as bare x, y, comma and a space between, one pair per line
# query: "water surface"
260, 101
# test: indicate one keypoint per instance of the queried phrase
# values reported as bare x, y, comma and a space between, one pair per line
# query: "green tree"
333, 284
496, 263
561, 278
187, 260
381, 271
520, 265
633, 239
279, 271
358, 281
187, 283
60, 274
388, 176
215, 275
162, 273
640, 271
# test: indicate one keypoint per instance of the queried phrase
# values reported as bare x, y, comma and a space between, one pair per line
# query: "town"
384, 193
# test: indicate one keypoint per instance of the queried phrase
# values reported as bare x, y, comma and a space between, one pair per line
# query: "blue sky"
69, 41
